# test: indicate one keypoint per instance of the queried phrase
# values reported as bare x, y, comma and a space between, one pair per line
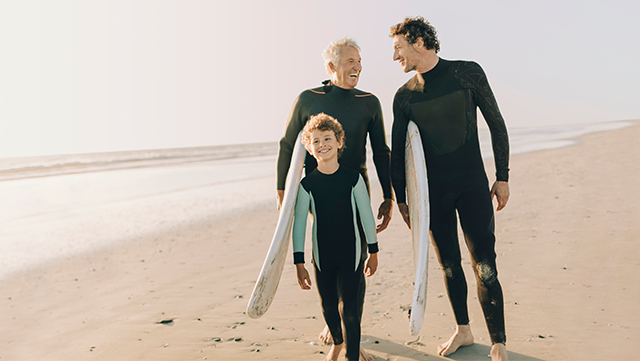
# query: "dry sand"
567, 255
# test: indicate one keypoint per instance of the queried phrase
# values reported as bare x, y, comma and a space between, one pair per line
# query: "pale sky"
88, 76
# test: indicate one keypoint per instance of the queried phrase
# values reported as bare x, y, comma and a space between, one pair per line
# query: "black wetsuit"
359, 113
442, 102
338, 254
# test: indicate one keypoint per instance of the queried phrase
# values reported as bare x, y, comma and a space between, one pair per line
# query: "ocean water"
524, 140
54, 207
28, 167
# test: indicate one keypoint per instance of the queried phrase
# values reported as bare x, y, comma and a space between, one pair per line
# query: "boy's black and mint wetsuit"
443, 102
339, 252
359, 113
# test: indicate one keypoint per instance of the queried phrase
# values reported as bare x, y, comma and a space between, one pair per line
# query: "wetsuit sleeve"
381, 152
295, 123
300, 224
366, 214
398, 140
487, 103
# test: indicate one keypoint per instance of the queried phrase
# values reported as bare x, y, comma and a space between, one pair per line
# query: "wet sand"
568, 257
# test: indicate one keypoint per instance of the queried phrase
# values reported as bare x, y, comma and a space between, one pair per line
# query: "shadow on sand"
470, 353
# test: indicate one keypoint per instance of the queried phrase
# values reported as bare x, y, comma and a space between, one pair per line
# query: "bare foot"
334, 352
499, 352
364, 356
325, 337
462, 337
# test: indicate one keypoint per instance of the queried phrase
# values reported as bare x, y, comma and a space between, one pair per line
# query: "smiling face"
405, 53
347, 72
324, 146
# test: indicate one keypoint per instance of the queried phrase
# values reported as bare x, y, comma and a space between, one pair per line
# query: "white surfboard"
269, 278
418, 201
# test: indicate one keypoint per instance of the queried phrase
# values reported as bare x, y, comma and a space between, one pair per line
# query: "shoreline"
527, 139
55, 165
567, 255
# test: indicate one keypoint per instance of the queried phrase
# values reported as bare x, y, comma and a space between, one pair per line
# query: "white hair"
333, 52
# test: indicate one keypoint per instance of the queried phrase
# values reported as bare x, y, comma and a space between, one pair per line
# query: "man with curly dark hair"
442, 99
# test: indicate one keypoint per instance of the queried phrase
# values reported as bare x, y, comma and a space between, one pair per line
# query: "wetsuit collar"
441, 67
340, 92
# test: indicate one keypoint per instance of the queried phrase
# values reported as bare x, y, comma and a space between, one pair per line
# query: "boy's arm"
366, 215
300, 224
298, 235
369, 224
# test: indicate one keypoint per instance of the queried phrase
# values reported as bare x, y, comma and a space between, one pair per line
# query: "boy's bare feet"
334, 352
364, 356
326, 339
462, 337
325, 336
499, 352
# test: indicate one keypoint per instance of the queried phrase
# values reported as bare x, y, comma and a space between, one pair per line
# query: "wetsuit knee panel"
451, 269
486, 272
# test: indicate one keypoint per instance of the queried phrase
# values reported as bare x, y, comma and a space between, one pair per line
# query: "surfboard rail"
271, 272
418, 202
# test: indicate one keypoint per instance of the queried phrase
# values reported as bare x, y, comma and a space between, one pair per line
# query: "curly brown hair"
323, 122
417, 27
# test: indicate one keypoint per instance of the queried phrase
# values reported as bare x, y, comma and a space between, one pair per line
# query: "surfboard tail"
419, 303
269, 278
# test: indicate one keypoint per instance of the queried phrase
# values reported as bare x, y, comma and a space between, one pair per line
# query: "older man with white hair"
360, 115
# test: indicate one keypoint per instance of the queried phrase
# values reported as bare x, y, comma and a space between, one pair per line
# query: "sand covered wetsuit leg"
443, 102
474, 209
339, 251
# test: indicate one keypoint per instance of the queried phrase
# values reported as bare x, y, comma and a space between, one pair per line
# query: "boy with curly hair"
338, 200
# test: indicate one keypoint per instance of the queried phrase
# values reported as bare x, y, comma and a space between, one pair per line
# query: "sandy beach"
568, 257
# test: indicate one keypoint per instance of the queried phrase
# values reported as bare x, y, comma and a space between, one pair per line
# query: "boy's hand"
371, 266
303, 277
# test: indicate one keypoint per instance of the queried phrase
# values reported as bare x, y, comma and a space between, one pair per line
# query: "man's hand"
501, 191
384, 213
280, 197
371, 266
404, 211
303, 277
